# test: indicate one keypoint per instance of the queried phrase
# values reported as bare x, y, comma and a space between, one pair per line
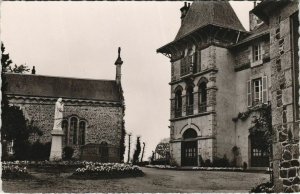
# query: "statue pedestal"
56, 145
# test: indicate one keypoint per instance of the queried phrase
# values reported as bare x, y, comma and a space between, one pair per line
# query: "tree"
143, 151
122, 142
14, 125
19, 69
137, 151
6, 64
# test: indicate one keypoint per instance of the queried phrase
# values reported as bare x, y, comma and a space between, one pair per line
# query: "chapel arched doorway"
189, 147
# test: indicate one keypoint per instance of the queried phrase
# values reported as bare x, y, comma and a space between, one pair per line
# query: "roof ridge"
53, 76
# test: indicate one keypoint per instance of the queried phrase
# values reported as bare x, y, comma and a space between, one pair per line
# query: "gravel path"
155, 180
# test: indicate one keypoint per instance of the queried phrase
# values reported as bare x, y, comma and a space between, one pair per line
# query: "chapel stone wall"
104, 122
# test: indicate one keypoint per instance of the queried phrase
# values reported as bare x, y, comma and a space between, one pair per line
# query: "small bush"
221, 162
245, 165
68, 153
207, 163
263, 188
144, 163
160, 162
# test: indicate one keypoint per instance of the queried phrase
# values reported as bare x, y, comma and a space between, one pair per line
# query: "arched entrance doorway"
259, 149
189, 147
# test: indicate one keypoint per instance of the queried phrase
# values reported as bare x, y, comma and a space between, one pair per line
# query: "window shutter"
264, 90
249, 94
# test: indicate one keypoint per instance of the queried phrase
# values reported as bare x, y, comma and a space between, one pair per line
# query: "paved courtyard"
155, 180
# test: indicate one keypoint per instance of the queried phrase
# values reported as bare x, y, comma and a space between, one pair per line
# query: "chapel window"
73, 128
66, 131
82, 126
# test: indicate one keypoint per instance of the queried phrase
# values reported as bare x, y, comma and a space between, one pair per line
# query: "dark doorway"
103, 152
189, 148
259, 150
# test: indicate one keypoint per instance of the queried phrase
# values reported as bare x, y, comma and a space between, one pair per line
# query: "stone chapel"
93, 115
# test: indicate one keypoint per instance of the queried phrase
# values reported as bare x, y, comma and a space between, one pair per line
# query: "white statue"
58, 117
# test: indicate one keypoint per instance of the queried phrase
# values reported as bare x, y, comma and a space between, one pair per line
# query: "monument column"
57, 132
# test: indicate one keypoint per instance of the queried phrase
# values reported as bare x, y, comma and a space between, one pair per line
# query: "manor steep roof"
202, 13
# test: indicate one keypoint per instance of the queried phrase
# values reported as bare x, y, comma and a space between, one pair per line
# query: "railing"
202, 107
190, 109
178, 113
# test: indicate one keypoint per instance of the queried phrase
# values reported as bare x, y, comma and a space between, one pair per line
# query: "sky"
80, 39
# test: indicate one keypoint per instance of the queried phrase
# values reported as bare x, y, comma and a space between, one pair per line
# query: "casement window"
74, 131
189, 100
257, 52
202, 97
178, 103
257, 91
187, 63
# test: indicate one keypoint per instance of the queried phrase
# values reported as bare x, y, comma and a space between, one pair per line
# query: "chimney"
254, 21
33, 70
184, 10
118, 64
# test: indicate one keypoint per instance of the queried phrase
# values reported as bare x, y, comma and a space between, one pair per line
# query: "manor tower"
203, 82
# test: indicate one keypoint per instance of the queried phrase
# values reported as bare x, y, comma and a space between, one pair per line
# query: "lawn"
155, 180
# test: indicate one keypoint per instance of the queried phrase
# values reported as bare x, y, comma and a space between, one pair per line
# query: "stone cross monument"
57, 132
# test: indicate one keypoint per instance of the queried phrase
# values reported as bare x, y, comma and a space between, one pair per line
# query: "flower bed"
15, 170
218, 168
97, 170
161, 166
196, 168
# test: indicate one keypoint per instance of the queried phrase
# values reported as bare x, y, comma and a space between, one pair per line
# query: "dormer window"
257, 52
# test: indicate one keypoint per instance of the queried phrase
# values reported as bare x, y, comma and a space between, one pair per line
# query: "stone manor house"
223, 77
93, 115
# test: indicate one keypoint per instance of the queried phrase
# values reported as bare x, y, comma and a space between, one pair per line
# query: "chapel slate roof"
71, 88
202, 13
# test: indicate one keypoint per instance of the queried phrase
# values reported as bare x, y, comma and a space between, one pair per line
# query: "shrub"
236, 153
39, 151
221, 162
160, 162
68, 152
144, 163
263, 188
245, 165
207, 163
